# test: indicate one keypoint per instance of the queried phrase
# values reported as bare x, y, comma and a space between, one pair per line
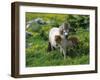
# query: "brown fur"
58, 39
73, 40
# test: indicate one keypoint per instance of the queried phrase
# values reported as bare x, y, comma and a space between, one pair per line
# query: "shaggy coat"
58, 38
72, 41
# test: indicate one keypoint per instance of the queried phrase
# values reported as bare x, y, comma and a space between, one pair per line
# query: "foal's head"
64, 29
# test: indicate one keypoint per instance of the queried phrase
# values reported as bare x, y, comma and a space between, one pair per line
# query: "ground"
36, 45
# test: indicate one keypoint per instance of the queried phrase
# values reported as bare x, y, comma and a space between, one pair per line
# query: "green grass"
36, 46
37, 55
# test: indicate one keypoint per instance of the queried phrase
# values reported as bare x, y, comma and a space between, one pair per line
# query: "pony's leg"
61, 50
49, 47
64, 53
53, 48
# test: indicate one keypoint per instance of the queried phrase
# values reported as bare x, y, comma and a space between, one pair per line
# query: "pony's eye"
64, 31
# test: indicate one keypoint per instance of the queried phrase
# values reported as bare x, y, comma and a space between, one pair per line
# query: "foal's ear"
61, 31
66, 25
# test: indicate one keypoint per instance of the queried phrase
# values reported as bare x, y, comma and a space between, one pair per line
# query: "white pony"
58, 38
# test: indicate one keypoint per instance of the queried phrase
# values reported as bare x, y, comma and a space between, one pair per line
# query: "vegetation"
36, 45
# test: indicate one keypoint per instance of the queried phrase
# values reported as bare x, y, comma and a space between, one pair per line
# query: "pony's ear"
66, 25
61, 30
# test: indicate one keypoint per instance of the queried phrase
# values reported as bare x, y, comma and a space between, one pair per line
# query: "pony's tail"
49, 47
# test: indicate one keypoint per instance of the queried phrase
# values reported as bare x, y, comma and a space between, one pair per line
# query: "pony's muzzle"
66, 34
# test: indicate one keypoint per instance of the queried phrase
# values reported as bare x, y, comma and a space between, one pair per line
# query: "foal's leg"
53, 48
61, 49
49, 47
64, 53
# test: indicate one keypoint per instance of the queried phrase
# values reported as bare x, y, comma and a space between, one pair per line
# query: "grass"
37, 55
36, 45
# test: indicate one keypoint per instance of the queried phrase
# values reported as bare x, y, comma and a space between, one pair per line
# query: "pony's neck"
63, 37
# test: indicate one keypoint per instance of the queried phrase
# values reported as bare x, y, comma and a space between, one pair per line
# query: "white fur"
53, 32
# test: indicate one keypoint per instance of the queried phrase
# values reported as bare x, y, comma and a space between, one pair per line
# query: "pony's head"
64, 29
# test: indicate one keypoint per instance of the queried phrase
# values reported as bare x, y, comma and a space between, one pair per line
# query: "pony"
58, 38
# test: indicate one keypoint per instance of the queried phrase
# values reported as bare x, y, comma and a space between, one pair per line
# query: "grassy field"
36, 45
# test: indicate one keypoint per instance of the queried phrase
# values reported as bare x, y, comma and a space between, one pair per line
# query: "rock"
28, 34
